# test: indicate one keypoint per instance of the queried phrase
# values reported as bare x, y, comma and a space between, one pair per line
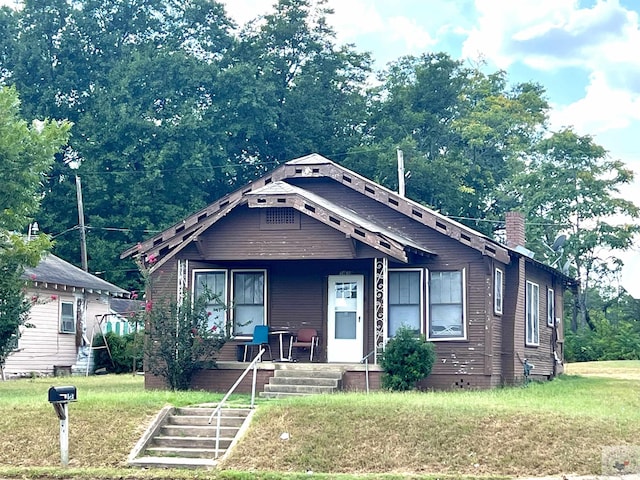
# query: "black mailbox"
62, 394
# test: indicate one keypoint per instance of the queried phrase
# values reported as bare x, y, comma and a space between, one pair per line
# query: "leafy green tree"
463, 134
26, 155
571, 186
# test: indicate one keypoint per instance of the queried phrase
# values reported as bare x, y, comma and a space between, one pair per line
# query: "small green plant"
406, 360
125, 352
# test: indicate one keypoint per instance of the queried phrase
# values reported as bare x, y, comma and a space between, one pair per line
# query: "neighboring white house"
67, 303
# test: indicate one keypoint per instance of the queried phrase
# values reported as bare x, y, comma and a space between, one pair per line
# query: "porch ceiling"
281, 194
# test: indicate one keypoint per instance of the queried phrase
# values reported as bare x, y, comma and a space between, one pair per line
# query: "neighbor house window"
551, 307
498, 286
213, 285
67, 318
446, 305
405, 300
248, 298
533, 314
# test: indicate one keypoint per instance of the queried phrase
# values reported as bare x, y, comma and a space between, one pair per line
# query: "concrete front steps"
182, 437
290, 380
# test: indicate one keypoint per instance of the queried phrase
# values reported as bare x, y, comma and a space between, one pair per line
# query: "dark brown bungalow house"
312, 244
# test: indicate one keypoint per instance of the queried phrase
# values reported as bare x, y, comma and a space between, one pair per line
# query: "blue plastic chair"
260, 337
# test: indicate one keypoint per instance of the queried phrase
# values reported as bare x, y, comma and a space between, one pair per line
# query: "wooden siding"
238, 236
542, 355
43, 347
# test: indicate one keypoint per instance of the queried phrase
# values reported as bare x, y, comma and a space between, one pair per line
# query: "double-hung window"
405, 301
551, 307
532, 314
67, 317
248, 298
498, 290
212, 284
446, 305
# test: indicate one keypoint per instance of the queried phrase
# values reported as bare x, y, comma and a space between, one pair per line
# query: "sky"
584, 52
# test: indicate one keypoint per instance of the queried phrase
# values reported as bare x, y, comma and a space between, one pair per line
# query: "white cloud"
414, 37
602, 108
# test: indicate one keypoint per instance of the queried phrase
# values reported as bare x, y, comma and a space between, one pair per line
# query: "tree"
572, 187
26, 155
463, 134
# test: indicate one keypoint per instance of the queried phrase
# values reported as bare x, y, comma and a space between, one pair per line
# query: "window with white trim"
446, 305
248, 294
498, 289
213, 285
551, 307
532, 314
405, 301
67, 317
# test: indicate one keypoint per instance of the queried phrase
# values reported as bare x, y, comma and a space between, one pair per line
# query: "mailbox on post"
62, 394
60, 397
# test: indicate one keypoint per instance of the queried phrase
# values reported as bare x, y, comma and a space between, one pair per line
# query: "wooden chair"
260, 337
305, 338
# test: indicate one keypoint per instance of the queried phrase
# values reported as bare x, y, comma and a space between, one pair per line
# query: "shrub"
406, 360
180, 341
123, 351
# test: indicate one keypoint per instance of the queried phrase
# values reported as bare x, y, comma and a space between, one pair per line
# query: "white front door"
345, 322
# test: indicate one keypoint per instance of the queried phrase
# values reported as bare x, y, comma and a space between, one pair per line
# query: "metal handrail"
218, 409
365, 360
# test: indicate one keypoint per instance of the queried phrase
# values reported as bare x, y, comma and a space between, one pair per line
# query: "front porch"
353, 375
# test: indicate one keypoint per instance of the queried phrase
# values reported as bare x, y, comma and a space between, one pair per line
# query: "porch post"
381, 268
183, 280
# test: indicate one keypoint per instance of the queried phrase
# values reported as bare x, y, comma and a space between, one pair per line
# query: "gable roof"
266, 190
53, 272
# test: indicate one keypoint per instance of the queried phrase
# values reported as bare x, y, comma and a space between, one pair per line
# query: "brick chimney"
514, 226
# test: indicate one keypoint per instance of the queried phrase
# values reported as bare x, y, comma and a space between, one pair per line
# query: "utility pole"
400, 172
83, 233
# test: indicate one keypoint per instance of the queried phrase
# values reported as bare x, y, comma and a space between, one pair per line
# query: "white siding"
43, 347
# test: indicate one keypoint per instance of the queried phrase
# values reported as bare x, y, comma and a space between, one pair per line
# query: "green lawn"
559, 427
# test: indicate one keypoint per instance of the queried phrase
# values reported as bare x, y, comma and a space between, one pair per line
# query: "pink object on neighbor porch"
306, 338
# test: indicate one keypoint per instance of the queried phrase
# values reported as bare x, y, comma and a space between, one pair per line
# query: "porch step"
298, 380
183, 437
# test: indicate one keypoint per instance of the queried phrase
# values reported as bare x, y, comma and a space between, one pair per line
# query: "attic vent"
157, 241
280, 216
309, 207
283, 218
262, 200
316, 170
368, 189
202, 216
267, 181
346, 179
246, 191
282, 200
180, 228
416, 213
466, 238
489, 249
359, 232
441, 226
298, 170
224, 204
334, 220
393, 201
385, 245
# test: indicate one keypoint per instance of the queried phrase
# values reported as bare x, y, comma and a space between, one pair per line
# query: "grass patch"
545, 429
625, 369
